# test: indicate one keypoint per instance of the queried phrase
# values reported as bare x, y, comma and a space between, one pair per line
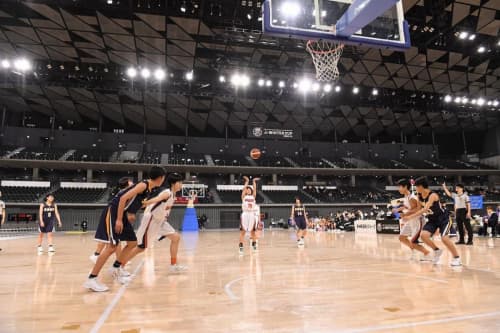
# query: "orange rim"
311, 50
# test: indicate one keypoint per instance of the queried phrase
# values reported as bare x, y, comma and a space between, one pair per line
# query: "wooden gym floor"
337, 283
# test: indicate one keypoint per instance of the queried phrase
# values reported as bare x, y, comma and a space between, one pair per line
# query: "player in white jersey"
155, 223
411, 228
249, 221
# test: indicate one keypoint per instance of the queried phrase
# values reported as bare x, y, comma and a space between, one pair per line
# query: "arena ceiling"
82, 48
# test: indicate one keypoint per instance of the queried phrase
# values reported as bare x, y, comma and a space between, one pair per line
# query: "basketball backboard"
374, 23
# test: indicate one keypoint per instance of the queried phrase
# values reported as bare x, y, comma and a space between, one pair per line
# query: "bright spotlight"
189, 76
489, 103
465, 100
281, 84
480, 101
222, 79
145, 73
375, 92
473, 102
5, 63
305, 85
261, 82
22, 65
159, 74
463, 35
495, 103
327, 87
447, 98
481, 49
109, 2
295, 85
290, 9
355, 90
240, 80
338, 89
131, 72
269, 83
316, 86
249, 16
472, 37
458, 100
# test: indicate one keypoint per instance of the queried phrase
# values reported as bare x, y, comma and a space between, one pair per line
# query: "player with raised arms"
249, 220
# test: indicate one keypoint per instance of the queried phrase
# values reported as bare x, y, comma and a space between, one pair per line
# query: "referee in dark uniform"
462, 212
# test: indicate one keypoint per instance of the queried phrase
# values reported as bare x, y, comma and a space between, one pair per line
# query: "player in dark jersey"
115, 227
48, 214
438, 219
123, 183
299, 216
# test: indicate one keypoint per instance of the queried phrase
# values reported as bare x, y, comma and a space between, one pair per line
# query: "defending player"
123, 183
48, 214
438, 219
410, 227
115, 227
299, 216
155, 223
248, 222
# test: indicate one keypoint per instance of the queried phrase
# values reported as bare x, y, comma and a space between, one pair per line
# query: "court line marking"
422, 323
107, 311
229, 292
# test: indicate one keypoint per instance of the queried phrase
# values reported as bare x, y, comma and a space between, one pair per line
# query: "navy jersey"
135, 203
299, 211
437, 211
49, 213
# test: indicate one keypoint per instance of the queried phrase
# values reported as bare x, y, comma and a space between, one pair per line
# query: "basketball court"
346, 282
337, 283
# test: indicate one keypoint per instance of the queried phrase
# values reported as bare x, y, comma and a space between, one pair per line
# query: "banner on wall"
261, 132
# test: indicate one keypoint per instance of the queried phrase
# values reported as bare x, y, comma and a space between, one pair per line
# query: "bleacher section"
79, 195
90, 155
287, 197
273, 161
230, 160
308, 162
347, 194
187, 159
22, 194
41, 154
150, 158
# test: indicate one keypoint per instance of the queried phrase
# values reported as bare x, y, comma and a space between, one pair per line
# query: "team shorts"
150, 229
48, 227
300, 222
443, 226
248, 221
106, 233
412, 229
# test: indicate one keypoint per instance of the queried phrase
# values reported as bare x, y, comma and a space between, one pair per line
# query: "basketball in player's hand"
255, 153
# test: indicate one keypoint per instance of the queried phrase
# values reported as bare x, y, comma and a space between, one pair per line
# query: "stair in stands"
67, 154
210, 161
315, 200
291, 162
265, 197
324, 160
15, 152
164, 159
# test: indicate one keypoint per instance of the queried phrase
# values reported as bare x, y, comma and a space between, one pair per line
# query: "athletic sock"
253, 243
117, 264
96, 254
457, 257
92, 276
436, 249
241, 245
173, 261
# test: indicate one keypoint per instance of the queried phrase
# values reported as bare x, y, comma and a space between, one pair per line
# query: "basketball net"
326, 55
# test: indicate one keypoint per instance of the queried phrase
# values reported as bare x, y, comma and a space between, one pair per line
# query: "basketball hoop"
325, 55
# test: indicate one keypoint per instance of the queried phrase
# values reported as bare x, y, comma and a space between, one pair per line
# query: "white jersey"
161, 210
249, 204
407, 207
